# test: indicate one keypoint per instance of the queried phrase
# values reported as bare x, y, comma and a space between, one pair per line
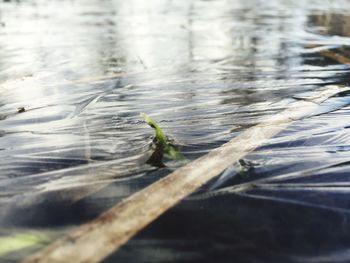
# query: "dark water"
205, 70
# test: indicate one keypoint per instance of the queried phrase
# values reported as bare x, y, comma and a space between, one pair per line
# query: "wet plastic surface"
205, 70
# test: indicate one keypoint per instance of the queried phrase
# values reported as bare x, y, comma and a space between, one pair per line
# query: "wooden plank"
94, 241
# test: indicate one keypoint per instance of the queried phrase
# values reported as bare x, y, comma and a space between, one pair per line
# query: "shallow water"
205, 70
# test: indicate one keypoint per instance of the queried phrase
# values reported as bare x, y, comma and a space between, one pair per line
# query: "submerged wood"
335, 56
94, 241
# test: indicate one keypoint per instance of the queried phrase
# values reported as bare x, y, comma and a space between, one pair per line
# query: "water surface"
205, 70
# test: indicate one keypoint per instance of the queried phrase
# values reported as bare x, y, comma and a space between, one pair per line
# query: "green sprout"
162, 141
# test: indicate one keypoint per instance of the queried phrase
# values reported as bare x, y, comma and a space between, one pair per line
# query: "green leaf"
16, 242
162, 140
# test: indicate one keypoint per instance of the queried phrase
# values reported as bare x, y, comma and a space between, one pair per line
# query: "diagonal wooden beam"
94, 241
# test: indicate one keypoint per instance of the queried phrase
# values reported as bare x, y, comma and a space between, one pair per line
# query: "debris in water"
21, 109
244, 167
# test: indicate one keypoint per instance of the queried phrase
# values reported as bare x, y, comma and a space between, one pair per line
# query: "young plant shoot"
162, 141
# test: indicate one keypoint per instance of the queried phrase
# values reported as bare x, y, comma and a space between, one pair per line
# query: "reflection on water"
205, 70
332, 23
